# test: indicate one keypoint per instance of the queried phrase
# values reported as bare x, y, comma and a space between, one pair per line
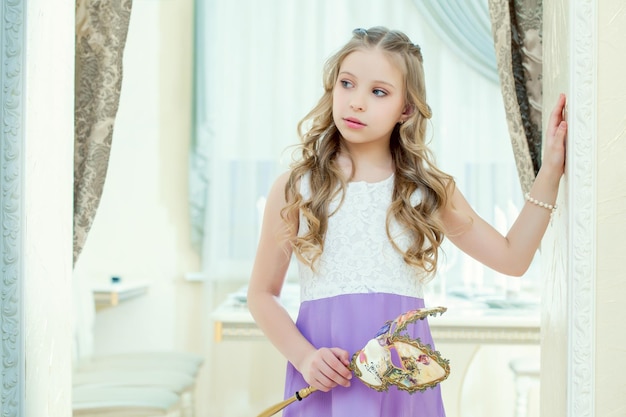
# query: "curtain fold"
250, 91
465, 27
101, 30
201, 133
517, 32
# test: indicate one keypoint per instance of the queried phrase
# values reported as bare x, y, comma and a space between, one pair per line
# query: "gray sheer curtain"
101, 29
516, 26
501, 39
244, 127
200, 140
465, 27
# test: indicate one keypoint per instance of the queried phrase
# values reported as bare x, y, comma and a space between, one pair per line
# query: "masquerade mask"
416, 368
391, 358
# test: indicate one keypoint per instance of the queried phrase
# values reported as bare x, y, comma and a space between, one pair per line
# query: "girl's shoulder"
276, 193
284, 182
276, 200
283, 178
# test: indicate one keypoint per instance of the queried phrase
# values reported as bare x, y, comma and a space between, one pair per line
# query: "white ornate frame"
582, 203
12, 76
582, 208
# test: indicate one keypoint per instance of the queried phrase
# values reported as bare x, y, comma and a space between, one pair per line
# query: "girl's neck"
366, 166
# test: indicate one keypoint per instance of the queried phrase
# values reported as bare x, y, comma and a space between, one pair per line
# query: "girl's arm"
322, 368
512, 254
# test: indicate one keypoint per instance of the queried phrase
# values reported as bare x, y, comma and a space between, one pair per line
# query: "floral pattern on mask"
417, 367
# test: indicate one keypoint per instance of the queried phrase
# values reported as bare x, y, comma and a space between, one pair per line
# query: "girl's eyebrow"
373, 82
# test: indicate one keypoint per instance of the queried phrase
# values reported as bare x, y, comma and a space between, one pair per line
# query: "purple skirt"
348, 322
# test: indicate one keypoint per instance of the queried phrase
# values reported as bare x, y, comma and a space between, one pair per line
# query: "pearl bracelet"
550, 207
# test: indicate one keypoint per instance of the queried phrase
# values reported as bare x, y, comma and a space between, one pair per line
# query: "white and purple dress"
360, 283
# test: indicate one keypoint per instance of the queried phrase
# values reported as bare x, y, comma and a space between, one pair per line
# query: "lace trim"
358, 257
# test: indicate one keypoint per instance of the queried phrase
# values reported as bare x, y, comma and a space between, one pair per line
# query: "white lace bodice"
358, 257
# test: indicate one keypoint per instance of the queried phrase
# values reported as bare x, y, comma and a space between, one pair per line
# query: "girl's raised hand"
555, 142
325, 368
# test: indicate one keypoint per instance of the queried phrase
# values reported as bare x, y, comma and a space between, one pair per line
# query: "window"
264, 73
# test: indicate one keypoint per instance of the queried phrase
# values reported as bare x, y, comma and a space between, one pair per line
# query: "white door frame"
12, 59
582, 203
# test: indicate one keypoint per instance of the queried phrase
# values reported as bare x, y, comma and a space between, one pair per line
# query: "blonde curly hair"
415, 170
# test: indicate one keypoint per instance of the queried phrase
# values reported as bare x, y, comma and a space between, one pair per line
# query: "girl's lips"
354, 123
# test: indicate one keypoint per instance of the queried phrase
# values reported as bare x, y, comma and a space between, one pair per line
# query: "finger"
335, 378
557, 113
338, 360
560, 104
556, 146
323, 383
342, 355
323, 372
318, 373
336, 370
561, 134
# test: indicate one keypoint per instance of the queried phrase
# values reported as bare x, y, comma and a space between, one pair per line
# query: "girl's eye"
346, 83
379, 93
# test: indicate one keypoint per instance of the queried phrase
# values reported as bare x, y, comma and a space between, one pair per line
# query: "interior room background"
144, 230
254, 82
261, 72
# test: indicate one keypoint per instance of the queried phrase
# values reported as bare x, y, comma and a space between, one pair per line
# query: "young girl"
365, 210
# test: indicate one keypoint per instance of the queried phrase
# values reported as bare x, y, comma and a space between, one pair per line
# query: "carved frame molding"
12, 76
582, 204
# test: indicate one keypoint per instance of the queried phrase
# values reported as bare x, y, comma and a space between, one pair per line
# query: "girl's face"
368, 97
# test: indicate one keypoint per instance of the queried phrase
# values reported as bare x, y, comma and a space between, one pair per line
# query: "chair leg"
526, 374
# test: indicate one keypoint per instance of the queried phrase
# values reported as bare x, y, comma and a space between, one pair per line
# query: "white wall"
611, 226
584, 56
556, 78
48, 148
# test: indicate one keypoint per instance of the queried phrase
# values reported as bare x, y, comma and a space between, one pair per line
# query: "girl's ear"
407, 112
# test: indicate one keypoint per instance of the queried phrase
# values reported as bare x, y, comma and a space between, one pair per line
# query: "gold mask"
416, 368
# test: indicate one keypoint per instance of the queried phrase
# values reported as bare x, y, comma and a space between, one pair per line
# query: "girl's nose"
357, 104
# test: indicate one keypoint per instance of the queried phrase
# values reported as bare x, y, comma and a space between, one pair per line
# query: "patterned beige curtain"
101, 29
516, 27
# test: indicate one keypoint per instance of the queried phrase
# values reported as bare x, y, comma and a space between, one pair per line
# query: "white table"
464, 322
468, 334
111, 294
